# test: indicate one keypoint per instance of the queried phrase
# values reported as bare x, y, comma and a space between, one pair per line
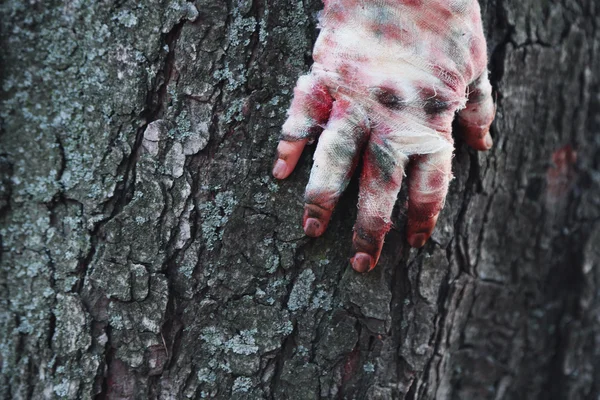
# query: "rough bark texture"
147, 253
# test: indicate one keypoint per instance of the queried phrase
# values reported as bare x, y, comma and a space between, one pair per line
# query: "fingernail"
488, 141
279, 169
417, 240
361, 262
312, 227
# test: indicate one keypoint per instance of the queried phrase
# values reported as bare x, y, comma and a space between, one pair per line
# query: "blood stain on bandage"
414, 3
388, 31
351, 365
318, 102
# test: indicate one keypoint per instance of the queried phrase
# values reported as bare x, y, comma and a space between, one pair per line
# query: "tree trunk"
147, 253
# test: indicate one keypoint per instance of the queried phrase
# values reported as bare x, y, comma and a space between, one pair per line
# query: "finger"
380, 181
427, 188
288, 154
309, 111
334, 163
475, 119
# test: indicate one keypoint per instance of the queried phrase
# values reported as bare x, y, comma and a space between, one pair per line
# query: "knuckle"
366, 239
389, 98
434, 103
424, 211
320, 201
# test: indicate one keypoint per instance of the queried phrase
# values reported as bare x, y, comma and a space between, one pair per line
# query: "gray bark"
147, 253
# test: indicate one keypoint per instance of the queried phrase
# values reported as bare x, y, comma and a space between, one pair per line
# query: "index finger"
309, 111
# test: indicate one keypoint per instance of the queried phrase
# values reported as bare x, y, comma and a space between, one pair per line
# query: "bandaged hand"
387, 80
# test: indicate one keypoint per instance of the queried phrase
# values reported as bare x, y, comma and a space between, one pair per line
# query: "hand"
387, 80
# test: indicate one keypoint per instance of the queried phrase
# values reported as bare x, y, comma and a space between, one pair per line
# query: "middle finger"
335, 159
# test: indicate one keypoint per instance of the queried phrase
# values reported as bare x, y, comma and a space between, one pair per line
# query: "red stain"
351, 364
428, 187
340, 109
316, 103
421, 214
450, 78
561, 174
478, 54
348, 70
430, 16
120, 381
390, 31
415, 3
157, 357
437, 182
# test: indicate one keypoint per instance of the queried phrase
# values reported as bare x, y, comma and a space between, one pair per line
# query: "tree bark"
148, 254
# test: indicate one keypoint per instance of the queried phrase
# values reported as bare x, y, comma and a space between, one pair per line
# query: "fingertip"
315, 220
420, 229
367, 247
362, 262
478, 115
280, 169
418, 240
478, 138
488, 141
482, 143
288, 154
313, 227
